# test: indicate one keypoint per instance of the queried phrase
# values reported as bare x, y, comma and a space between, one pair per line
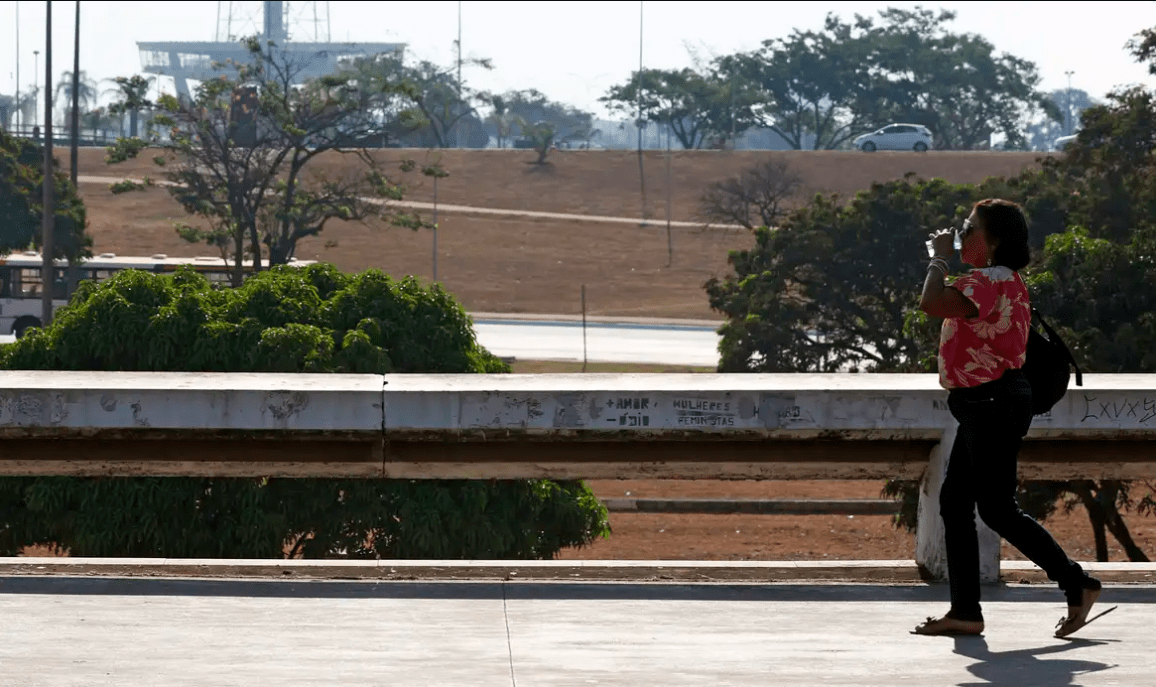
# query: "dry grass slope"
497, 264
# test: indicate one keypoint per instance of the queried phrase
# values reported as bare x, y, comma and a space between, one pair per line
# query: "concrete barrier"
582, 426
87, 423
836, 426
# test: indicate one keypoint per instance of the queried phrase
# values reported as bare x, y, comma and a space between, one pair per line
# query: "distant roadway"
660, 342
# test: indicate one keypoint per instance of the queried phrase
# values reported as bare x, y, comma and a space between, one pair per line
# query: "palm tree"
7, 108
132, 95
27, 107
86, 89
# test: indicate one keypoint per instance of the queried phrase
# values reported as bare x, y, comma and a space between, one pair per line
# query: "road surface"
661, 344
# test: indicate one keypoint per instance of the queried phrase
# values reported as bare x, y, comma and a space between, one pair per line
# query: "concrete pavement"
65, 631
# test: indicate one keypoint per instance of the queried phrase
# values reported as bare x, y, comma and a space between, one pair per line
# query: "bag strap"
1055, 339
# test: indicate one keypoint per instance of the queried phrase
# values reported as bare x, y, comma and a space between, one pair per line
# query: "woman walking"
982, 346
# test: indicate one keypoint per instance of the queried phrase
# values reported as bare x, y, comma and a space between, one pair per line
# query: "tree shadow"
1024, 667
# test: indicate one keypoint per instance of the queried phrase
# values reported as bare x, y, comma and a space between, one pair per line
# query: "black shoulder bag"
1047, 367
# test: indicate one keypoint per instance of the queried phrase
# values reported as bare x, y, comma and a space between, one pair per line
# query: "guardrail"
790, 426
62, 134
835, 426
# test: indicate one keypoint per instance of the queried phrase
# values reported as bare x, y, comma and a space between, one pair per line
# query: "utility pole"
47, 265
669, 237
459, 49
19, 116
35, 82
436, 171
641, 171
457, 137
1068, 128
734, 123
75, 98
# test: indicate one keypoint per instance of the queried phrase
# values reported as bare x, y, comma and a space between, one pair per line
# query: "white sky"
573, 51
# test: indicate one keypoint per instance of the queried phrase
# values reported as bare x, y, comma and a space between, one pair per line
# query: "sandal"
949, 627
1077, 615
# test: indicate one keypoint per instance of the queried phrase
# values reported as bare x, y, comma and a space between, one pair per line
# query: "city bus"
21, 286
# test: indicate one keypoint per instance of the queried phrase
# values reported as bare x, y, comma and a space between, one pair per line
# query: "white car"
896, 137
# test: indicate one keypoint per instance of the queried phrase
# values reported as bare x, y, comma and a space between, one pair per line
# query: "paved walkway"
76, 631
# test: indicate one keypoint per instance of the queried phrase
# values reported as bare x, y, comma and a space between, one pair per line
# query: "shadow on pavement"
136, 586
1027, 667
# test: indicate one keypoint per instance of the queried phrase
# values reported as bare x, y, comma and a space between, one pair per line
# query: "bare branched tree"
240, 155
756, 198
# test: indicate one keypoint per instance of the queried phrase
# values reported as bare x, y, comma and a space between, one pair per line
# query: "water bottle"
957, 243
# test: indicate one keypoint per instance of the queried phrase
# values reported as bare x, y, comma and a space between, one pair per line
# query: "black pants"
993, 419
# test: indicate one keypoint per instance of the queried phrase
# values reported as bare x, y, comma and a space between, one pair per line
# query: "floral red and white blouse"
979, 350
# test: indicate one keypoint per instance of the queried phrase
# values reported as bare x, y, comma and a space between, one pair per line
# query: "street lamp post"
72, 170
35, 82
19, 117
641, 170
48, 265
1068, 129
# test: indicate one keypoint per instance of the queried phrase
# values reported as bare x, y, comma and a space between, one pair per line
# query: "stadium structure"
300, 30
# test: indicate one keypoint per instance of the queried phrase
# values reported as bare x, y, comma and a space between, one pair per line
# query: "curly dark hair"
1005, 222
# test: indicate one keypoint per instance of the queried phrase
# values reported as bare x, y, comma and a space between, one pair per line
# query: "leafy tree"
807, 87
240, 156
530, 115
955, 84
1107, 183
830, 288
819, 89
21, 203
312, 319
1142, 46
541, 136
421, 98
501, 120
695, 106
132, 97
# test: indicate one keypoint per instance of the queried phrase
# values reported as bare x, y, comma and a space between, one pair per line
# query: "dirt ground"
650, 536
496, 264
525, 265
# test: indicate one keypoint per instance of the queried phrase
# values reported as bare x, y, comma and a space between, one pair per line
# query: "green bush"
22, 207
124, 186
311, 319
